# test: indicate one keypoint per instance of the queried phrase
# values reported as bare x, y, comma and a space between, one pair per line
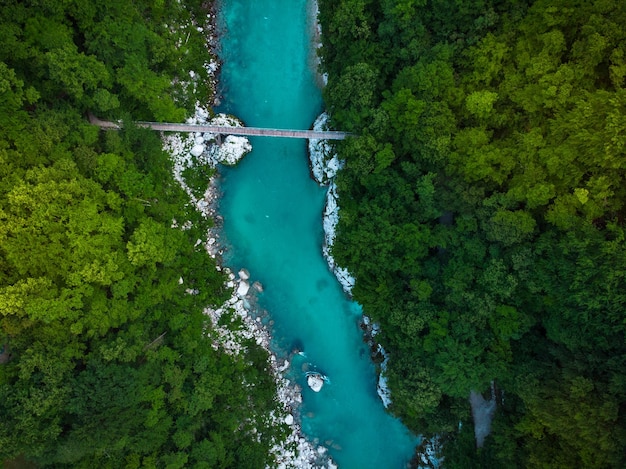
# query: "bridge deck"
228, 130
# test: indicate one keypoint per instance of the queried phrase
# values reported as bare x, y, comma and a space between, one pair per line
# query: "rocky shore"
324, 166
236, 322
295, 451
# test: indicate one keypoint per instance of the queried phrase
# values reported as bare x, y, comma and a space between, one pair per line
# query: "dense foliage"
483, 215
104, 360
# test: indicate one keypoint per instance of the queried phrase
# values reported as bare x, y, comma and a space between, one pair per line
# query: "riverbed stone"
243, 288
315, 381
197, 150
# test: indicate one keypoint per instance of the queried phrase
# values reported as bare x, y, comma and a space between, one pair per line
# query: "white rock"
324, 163
232, 149
242, 289
315, 381
346, 280
331, 204
244, 274
383, 390
289, 419
197, 150
202, 114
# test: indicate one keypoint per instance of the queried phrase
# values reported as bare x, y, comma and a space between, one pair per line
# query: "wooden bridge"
227, 130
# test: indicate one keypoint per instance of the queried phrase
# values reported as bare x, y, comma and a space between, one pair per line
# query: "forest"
105, 358
483, 215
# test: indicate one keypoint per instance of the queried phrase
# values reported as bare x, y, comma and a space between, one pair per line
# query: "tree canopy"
105, 360
482, 213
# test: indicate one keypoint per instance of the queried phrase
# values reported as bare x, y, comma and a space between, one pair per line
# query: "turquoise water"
272, 220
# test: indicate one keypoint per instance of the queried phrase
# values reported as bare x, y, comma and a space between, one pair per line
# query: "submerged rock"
244, 274
315, 381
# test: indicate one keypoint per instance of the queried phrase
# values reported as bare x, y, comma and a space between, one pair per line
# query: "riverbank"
324, 167
236, 321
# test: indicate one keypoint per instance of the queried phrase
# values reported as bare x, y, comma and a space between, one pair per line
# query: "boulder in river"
315, 381
242, 289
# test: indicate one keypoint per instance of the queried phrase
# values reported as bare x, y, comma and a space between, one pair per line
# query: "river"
272, 221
